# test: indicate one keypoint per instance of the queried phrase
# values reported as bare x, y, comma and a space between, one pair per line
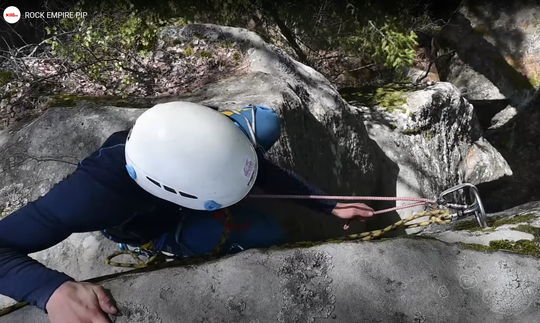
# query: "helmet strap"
250, 125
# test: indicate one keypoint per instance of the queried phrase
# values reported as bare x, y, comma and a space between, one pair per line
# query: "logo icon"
12, 14
248, 168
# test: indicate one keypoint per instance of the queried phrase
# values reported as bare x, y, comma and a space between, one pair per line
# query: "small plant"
390, 96
410, 132
6, 77
227, 43
397, 48
205, 54
429, 135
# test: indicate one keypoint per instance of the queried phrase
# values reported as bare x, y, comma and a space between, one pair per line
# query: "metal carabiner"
144, 252
477, 208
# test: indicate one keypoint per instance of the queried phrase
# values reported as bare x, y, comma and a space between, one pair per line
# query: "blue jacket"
100, 195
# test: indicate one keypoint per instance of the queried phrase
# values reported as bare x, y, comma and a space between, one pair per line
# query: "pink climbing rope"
419, 201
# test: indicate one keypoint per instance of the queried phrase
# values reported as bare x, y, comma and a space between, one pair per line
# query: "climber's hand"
352, 211
81, 303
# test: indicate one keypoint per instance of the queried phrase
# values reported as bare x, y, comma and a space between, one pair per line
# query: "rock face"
338, 156
435, 140
495, 50
323, 139
397, 280
496, 64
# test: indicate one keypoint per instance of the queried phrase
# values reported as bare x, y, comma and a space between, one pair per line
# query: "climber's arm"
95, 196
276, 180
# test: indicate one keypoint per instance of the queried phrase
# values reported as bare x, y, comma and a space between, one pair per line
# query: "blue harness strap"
202, 232
267, 124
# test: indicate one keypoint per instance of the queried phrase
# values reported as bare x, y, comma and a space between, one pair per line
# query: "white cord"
250, 125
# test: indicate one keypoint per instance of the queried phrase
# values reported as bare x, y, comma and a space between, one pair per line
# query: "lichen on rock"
306, 287
13, 197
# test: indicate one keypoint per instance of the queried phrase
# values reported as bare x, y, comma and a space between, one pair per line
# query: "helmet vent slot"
153, 181
171, 190
187, 195
168, 189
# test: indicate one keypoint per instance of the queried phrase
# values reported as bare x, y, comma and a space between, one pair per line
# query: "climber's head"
191, 155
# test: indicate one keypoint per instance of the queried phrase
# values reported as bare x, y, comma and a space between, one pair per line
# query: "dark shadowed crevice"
485, 58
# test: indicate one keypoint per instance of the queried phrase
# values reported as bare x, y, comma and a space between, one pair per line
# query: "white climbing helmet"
191, 155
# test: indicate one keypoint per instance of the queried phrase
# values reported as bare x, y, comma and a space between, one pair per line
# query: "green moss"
6, 77
535, 80
472, 225
227, 43
501, 245
62, 101
428, 135
390, 97
474, 246
393, 126
410, 132
527, 247
391, 101
70, 100
523, 247
188, 51
467, 225
205, 54
178, 21
237, 56
514, 220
